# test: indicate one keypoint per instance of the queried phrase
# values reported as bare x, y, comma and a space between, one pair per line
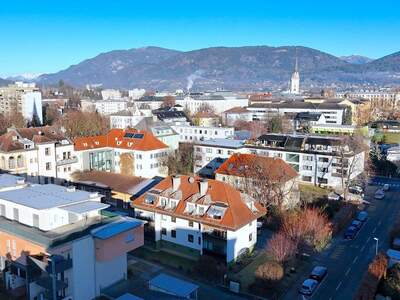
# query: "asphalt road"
348, 260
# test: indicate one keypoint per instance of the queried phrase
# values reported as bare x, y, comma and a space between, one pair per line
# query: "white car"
379, 194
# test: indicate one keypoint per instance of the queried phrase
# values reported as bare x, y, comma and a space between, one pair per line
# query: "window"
2, 210
173, 233
173, 219
250, 237
199, 240
163, 217
306, 178
163, 231
190, 238
48, 166
323, 159
308, 158
307, 168
219, 151
322, 180
47, 151
129, 238
16, 214
209, 150
190, 223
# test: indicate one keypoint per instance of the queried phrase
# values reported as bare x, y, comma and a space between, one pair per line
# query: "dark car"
318, 273
308, 286
362, 216
350, 233
357, 224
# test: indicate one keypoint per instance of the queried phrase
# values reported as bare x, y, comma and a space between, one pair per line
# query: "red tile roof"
238, 164
237, 212
237, 110
116, 138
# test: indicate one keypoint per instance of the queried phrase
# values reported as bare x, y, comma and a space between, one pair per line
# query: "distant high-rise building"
21, 97
295, 80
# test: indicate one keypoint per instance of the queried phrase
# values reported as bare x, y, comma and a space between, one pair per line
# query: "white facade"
107, 107
123, 122
188, 133
295, 81
109, 94
319, 168
136, 93
371, 95
218, 104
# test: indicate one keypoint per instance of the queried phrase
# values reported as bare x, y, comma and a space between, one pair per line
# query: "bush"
281, 248
270, 271
210, 268
369, 284
391, 285
343, 217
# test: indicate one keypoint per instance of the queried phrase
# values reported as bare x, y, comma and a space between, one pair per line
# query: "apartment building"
108, 94
41, 152
21, 97
333, 113
189, 133
219, 101
266, 178
197, 216
125, 119
235, 114
130, 152
371, 95
319, 160
55, 243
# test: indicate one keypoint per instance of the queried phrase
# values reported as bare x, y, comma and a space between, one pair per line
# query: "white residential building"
189, 133
136, 94
218, 101
38, 152
125, 119
57, 244
198, 216
129, 152
109, 94
319, 160
371, 95
108, 107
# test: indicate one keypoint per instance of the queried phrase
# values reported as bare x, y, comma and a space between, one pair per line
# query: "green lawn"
246, 276
311, 193
165, 258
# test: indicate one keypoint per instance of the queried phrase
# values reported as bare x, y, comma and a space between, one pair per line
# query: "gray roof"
224, 143
44, 196
7, 180
83, 207
173, 285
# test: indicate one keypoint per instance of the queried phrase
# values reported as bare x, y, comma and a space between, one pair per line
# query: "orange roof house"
191, 212
132, 139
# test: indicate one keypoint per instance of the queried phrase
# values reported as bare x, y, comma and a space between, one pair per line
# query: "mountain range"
237, 68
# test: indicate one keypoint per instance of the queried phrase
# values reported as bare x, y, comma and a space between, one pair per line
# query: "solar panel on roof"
129, 135
138, 136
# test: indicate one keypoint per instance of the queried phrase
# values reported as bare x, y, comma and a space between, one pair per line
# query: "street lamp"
376, 245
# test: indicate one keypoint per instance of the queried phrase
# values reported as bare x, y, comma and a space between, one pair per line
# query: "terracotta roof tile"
240, 163
125, 139
237, 213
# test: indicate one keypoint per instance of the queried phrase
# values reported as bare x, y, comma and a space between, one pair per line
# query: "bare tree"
168, 101
281, 248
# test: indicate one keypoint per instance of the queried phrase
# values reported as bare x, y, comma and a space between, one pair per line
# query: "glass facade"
101, 161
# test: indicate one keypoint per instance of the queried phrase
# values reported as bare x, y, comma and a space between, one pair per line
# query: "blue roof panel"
115, 228
173, 285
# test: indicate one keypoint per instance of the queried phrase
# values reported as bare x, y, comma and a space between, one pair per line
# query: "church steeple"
295, 79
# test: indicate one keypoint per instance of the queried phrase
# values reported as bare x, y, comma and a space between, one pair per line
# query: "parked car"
362, 216
379, 194
356, 189
319, 273
334, 197
357, 224
308, 286
386, 187
350, 233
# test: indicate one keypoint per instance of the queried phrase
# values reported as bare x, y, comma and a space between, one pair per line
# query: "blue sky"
46, 36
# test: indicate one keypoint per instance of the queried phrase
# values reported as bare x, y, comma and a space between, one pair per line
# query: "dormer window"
96, 142
119, 143
190, 208
84, 144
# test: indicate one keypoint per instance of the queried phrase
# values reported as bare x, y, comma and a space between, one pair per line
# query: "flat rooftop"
226, 143
45, 196
8, 181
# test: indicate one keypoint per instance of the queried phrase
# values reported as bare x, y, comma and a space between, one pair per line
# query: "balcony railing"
67, 161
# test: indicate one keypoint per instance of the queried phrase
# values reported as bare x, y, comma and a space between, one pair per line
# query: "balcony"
216, 234
67, 161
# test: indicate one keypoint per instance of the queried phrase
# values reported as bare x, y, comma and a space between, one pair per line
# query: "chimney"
203, 184
176, 182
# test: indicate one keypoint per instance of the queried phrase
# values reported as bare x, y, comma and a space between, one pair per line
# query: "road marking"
355, 259
373, 231
348, 271
363, 247
379, 223
338, 286
368, 239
